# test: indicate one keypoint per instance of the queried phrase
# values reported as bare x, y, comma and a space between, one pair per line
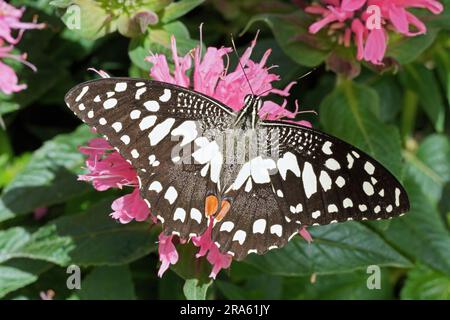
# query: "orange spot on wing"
211, 205
224, 208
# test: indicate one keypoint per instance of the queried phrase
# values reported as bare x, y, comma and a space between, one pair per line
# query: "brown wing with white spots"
316, 179
149, 123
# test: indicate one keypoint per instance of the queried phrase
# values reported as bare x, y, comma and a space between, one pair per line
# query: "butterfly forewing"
145, 121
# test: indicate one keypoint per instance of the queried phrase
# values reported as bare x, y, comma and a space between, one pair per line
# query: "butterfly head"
252, 105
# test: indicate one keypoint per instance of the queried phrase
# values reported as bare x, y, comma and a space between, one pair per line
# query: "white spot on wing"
325, 180
227, 226
171, 195
240, 236
147, 122
160, 131
259, 226
180, 214
82, 93
288, 162
110, 103
166, 96
151, 105
196, 215
326, 148
309, 180
276, 229
332, 164
120, 87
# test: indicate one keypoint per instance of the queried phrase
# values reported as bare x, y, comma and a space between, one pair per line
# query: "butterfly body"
259, 180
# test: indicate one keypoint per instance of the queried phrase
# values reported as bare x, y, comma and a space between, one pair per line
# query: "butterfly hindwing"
316, 179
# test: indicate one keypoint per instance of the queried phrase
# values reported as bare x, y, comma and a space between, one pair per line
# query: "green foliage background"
399, 116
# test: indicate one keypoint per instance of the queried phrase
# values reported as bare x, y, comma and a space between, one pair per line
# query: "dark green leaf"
430, 165
422, 81
107, 283
336, 249
407, 49
421, 233
426, 284
90, 238
49, 178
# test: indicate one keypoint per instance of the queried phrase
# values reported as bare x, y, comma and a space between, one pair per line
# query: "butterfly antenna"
201, 38
239, 61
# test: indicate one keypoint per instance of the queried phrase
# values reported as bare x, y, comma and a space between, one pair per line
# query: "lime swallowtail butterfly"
304, 177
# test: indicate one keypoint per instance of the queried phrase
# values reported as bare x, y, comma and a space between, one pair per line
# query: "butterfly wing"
147, 121
315, 179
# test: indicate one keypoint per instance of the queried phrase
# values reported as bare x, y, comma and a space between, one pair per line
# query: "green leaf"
20, 273
426, 284
422, 81
94, 20
430, 165
90, 238
345, 286
189, 267
351, 112
391, 102
193, 290
256, 286
291, 33
407, 49
49, 178
421, 233
158, 41
107, 283
179, 8
336, 249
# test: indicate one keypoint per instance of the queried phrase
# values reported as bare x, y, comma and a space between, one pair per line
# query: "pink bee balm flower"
368, 21
108, 169
167, 253
9, 21
129, 207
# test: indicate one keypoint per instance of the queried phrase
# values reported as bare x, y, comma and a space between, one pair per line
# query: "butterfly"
257, 201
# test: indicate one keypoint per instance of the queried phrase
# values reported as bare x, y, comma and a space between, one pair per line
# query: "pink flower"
211, 77
129, 207
305, 234
8, 78
108, 169
39, 213
354, 16
9, 21
167, 253
217, 259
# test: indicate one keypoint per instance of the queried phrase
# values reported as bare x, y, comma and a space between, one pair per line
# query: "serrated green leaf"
158, 41
421, 233
351, 112
179, 8
407, 49
426, 284
430, 165
90, 238
49, 178
336, 249
193, 290
20, 273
